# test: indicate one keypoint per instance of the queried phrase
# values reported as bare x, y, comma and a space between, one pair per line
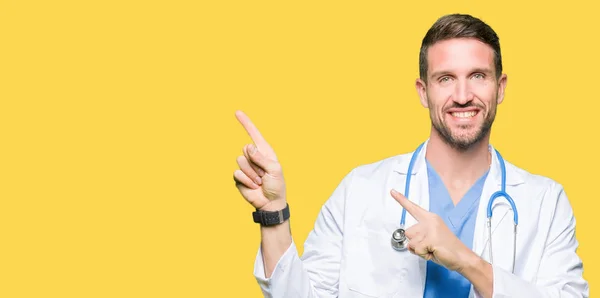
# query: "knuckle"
256, 157
260, 171
255, 167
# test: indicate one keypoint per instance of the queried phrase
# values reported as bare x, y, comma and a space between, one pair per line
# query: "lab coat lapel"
502, 213
419, 188
480, 238
422, 198
418, 194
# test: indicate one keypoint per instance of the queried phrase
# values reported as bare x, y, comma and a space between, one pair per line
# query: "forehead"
459, 54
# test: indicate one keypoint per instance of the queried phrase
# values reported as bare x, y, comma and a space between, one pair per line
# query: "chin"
467, 140
462, 136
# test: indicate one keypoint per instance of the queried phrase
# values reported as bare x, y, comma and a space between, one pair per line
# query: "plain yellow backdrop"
118, 135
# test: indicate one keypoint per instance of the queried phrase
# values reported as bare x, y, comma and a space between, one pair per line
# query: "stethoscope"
400, 241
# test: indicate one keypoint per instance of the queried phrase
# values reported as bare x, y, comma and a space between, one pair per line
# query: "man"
349, 252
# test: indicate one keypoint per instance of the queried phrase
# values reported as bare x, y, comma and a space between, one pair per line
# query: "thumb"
258, 158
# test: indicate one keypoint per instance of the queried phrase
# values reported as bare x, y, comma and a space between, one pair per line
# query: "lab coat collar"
513, 177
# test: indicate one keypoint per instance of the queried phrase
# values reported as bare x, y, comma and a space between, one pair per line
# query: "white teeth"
464, 114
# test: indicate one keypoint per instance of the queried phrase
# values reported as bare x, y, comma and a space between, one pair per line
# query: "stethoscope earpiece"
399, 240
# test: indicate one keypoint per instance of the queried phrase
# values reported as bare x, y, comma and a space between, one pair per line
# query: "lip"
458, 110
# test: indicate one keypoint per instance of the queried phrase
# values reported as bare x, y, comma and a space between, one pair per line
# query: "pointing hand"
259, 177
431, 239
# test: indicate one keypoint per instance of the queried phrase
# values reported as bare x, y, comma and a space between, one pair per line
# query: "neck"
458, 167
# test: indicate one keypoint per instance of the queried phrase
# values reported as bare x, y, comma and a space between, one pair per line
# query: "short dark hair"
459, 26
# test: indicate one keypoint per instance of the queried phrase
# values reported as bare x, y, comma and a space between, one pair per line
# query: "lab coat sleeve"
316, 273
561, 270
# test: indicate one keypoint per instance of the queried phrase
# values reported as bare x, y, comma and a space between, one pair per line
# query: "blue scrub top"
441, 282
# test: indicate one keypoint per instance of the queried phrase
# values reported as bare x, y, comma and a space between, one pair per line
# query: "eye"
478, 76
444, 79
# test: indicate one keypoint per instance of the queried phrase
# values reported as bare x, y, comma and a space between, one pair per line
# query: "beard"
459, 140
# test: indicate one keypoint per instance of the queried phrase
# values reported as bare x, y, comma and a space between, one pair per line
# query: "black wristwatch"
271, 218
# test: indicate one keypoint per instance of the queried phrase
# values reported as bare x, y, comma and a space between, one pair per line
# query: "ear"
501, 87
422, 90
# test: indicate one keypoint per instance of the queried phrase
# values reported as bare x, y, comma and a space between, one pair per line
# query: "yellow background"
118, 135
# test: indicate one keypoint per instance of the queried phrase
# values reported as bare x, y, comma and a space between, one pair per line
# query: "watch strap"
271, 218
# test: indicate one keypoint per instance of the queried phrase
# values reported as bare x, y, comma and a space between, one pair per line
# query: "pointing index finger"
255, 135
413, 209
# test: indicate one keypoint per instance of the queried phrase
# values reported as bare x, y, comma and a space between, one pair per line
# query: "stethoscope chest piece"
399, 240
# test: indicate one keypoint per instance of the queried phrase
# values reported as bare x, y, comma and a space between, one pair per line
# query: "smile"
468, 114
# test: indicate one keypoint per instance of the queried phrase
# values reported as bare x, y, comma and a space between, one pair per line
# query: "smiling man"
437, 222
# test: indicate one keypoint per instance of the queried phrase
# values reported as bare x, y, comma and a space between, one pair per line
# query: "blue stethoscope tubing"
497, 194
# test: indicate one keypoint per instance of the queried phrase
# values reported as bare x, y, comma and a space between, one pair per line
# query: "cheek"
437, 98
486, 94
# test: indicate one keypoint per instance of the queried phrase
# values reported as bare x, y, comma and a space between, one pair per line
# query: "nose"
463, 93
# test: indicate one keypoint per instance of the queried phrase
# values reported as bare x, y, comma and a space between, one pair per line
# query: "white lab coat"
348, 253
